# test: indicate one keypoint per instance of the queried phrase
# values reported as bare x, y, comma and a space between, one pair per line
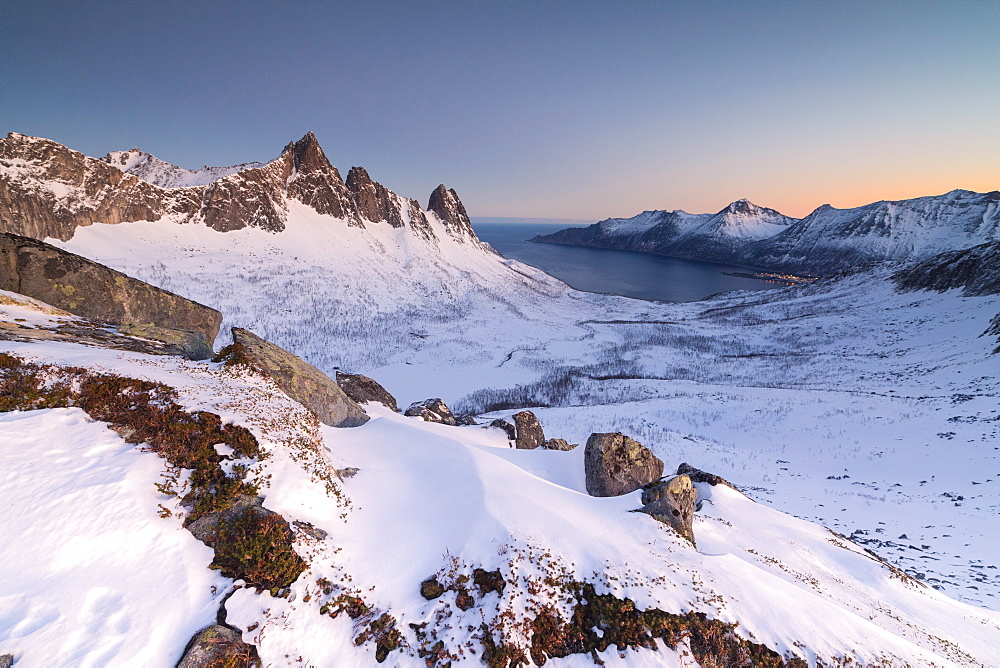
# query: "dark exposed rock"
466, 420
431, 410
697, 475
91, 290
317, 183
374, 201
298, 379
310, 529
451, 211
529, 431
431, 589
559, 444
507, 427
219, 645
976, 270
488, 581
6, 660
206, 528
615, 464
363, 389
672, 502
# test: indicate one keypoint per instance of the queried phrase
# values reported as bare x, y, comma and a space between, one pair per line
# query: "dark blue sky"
560, 109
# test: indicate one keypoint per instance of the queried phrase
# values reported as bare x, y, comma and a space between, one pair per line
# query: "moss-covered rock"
91, 290
219, 646
615, 465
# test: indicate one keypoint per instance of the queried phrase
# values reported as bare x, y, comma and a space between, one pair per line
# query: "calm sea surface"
616, 272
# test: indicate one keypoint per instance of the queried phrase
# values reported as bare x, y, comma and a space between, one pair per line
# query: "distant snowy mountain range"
826, 241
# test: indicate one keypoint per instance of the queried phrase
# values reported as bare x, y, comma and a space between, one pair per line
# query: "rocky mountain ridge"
826, 241
49, 190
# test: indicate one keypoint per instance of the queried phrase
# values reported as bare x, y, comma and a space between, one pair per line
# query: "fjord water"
627, 273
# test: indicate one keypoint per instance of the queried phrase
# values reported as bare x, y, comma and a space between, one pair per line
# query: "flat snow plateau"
845, 403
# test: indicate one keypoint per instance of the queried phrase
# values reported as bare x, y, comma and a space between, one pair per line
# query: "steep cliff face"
826, 241
48, 190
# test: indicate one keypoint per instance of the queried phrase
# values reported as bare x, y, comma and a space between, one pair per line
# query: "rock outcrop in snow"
91, 290
297, 378
48, 190
826, 241
615, 464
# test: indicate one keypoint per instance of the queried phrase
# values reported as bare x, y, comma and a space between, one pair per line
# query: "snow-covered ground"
93, 577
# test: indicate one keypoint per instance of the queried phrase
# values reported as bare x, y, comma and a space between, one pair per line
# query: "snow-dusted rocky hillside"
99, 570
160, 173
826, 241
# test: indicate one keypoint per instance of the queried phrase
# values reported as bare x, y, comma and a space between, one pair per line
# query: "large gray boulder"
431, 410
615, 465
297, 378
529, 431
559, 444
219, 645
363, 389
672, 502
91, 290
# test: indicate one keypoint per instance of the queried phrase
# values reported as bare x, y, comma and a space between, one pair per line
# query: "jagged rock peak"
307, 155
446, 205
375, 202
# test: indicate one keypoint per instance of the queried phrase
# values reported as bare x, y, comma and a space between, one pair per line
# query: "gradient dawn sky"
544, 109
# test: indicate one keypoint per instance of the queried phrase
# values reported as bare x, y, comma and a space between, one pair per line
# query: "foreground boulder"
431, 410
219, 645
672, 502
529, 431
615, 465
91, 290
297, 378
363, 389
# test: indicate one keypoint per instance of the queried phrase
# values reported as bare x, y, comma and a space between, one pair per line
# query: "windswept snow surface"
844, 402
91, 575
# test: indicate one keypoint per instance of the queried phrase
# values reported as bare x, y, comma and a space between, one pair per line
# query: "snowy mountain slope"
915, 229
824, 242
151, 169
427, 499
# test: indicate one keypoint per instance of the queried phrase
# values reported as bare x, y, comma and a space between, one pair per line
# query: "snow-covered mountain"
826, 241
48, 190
151, 169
